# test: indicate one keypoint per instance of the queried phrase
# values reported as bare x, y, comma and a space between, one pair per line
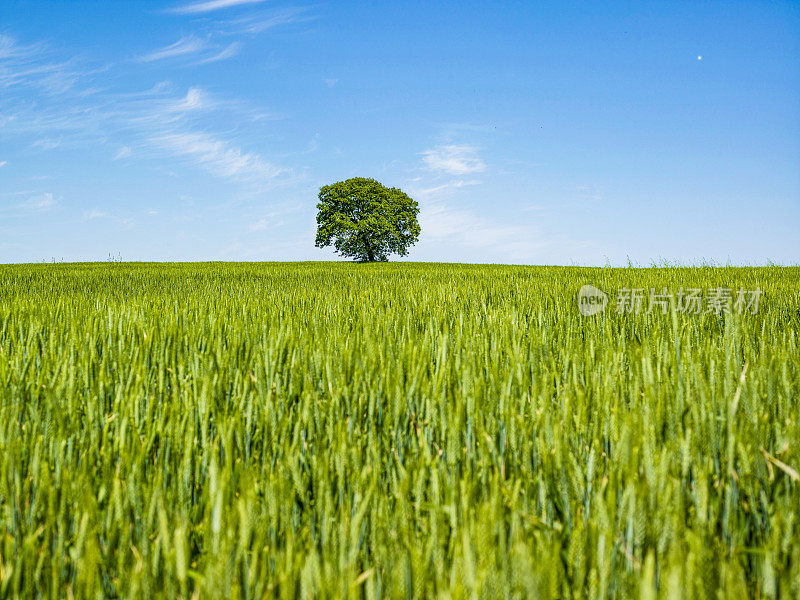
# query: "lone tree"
366, 220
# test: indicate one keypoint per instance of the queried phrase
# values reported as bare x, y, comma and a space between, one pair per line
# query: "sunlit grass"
393, 431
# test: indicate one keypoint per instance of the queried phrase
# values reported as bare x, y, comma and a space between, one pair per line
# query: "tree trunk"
368, 248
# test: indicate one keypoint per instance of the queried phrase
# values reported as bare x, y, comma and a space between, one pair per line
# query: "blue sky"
542, 133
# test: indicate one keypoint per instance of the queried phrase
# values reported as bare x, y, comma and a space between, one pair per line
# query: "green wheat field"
404, 430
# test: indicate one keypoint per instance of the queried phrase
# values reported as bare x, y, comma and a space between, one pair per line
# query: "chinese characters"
717, 300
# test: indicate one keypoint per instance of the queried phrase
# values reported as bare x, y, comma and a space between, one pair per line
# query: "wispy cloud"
123, 152
455, 226
33, 66
331, 82
448, 222
228, 52
6, 45
162, 122
91, 215
444, 188
196, 99
454, 159
189, 46
185, 45
42, 202
259, 225
219, 157
9, 48
88, 215
3, 163
211, 5
46, 144
157, 122
259, 23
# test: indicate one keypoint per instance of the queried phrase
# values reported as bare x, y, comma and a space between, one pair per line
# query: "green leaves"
364, 220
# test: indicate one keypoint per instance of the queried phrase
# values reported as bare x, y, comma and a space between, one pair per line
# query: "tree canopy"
365, 220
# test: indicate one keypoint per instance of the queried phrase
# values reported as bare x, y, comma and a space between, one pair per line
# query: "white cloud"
331, 82
473, 232
477, 234
209, 5
534, 208
10, 49
454, 159
3, 163
159, 123
125, 222
444, 225
123, 152
82, 122
258, 24
195, 99
191, 45
185, 45
6, 45
42, 202
259, 225
46, 144
219, 157
448, 187
33, 66
230, 51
